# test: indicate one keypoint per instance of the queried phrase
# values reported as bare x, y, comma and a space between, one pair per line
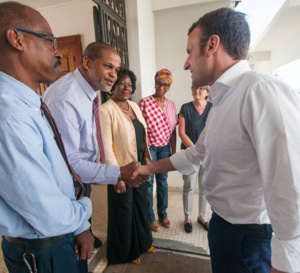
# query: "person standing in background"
191, 122
161, 118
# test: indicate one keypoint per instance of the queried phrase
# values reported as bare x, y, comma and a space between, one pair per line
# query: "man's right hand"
142, 171
126, 172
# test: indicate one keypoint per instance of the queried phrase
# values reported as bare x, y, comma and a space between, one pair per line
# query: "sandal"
151, 250
165, 222
154, 226
136, 261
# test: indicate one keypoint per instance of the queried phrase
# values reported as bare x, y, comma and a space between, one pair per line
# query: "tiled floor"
176, 232
197, 238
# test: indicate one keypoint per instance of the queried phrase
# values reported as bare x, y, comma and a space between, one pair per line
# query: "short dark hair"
14, 15
96, 50
232, 28
126, 72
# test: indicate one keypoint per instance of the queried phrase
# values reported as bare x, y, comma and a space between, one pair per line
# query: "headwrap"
163, 73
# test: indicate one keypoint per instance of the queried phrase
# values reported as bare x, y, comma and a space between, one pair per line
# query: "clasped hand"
126, 175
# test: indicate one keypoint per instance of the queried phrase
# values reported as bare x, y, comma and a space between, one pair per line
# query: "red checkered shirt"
160, 123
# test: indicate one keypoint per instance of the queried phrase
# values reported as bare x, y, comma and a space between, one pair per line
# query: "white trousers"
189, 186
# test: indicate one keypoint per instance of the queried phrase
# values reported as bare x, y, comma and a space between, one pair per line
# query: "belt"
249, 227
34, 243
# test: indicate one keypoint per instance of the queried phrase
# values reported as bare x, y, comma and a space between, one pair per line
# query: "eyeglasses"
48, 37
165, 85
198, 89
123, 84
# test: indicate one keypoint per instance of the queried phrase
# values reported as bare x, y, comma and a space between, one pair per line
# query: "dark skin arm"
173, 142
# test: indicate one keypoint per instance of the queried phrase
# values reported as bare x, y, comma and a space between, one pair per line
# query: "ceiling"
38, 4
156, 4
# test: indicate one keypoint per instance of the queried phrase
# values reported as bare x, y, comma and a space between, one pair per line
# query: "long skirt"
128, 231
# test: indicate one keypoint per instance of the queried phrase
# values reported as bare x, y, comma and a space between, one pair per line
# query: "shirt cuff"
181, 163
286, 254
83, 228
112, 173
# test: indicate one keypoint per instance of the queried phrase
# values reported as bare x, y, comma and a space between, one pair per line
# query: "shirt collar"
14, 87
90, 92
227, 80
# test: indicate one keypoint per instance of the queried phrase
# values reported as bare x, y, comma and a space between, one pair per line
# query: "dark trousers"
242, 249
57, 258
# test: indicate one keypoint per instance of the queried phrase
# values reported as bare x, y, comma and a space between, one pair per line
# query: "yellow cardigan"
118, 133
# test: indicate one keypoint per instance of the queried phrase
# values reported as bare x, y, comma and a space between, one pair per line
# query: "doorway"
71, 50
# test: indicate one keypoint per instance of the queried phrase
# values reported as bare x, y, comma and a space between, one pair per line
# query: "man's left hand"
84, 245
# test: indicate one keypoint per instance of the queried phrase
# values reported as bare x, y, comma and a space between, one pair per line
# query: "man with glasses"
39, 212
249, 151
49, 37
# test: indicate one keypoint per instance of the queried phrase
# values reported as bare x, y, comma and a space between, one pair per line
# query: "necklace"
125, 111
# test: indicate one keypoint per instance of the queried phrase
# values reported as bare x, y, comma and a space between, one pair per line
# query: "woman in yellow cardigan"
124, 139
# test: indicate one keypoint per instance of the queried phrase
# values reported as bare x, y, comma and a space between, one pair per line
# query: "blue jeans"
158, 153
57, 258
235, 250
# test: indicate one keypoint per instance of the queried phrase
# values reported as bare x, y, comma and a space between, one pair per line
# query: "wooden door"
71, 50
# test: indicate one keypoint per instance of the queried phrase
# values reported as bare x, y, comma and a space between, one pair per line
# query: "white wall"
171, 28
141, 46
72, 19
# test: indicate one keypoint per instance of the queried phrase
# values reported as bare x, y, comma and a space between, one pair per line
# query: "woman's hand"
120, 187
148, 161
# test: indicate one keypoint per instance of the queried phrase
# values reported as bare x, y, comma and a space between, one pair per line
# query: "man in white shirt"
73, 102
249, 151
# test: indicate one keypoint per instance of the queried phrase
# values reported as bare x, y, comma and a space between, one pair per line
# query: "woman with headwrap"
161, 118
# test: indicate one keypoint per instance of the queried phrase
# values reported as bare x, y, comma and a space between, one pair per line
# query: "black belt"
34, 243
249, 227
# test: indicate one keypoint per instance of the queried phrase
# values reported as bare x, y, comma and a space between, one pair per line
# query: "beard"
97, 81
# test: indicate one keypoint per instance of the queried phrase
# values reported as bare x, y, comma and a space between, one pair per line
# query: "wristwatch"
119, 176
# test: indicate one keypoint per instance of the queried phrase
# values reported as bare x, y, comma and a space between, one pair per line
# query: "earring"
110, 93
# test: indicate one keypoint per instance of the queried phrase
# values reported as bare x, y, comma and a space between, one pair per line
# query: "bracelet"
119, 177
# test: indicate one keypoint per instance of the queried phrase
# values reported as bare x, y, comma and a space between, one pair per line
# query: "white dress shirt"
250, 151
70, 100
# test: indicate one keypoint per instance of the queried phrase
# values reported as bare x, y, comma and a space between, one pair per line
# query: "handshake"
133, 174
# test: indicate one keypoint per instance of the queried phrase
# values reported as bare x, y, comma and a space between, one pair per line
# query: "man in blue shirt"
70, 100
39, 215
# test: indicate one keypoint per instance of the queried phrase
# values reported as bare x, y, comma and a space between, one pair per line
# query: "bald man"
41, 220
